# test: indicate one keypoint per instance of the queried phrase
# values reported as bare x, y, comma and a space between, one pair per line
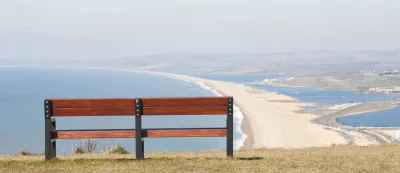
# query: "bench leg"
50, 144
138, 124
47, 139
49, 126
142, 149
229, 126
53, 149
139, 149
53, 141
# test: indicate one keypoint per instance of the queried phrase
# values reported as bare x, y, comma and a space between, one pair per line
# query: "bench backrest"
126, 107
137, 107
90, 107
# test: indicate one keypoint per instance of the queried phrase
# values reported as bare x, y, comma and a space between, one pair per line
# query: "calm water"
238, 78
385, 118
22, 91
328, 97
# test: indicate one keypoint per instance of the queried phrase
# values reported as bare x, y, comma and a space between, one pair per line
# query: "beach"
270, 119
267, 119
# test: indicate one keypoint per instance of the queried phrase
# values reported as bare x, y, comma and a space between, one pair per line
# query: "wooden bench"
137, 108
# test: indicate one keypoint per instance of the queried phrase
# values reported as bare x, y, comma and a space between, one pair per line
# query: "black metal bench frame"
52, 134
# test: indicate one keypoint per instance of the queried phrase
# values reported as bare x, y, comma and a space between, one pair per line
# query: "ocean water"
23, 90
384, 118
238, 78
328, 97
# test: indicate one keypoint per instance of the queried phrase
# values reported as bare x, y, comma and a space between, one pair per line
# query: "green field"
382, 159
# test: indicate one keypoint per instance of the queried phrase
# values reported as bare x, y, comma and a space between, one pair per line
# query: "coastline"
244, 128
244, 125
254, 103
331, 119
376, 110
328, 87
306, 86
267, 124
269, 121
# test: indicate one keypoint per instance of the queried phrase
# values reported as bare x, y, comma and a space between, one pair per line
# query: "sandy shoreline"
270, 119
245, 126
267, 124
332, 115
376, 110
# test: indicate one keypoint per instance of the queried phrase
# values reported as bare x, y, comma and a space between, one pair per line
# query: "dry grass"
382, 159
86, 146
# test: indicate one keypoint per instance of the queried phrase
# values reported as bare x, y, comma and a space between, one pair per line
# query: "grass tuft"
79, 150
118, 149
86, 146
24, 153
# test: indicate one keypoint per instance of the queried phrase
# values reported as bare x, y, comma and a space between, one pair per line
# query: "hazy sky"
98, 29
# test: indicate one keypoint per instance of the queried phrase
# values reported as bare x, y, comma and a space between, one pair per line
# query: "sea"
23, 90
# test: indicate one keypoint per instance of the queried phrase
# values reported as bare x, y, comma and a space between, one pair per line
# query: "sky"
104, 29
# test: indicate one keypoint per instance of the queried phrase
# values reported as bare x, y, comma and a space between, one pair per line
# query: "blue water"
328, 97
238, 78
385, 118
23, 90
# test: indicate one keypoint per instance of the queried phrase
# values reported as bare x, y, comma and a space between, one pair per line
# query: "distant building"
385, 89
389, 73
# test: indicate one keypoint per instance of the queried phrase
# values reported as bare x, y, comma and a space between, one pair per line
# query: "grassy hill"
383, 159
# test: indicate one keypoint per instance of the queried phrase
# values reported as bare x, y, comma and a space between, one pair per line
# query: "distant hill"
293, 63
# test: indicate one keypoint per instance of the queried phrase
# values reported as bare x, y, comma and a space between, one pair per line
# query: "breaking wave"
238, 135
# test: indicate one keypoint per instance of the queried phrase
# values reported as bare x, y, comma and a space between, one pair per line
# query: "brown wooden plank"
119, 111
91, 103
94, 134
182, 102
156, 133
206, 110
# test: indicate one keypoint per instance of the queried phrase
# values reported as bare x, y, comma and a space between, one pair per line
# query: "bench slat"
92, 103
205, 110
154, 133
182, 102
78, 134
131, 133
118, 111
